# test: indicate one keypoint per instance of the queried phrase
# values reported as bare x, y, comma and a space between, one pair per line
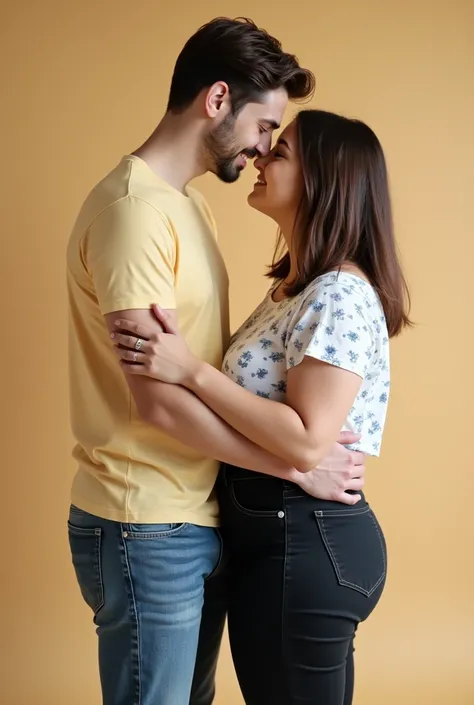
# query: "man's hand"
340, 471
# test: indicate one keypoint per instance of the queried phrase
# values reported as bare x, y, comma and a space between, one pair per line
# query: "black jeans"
304, 573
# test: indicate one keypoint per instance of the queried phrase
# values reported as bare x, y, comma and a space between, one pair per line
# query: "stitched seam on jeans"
128, 576
283, 602
267, 513
96, 533
138, 535
342, 580
219, 560
372, 516
98, 549
344, 512
333, 560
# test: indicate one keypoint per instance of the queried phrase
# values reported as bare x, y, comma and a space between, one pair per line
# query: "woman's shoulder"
340, 286
341, 299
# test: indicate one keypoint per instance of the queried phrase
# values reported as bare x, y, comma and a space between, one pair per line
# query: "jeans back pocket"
86, 545
356, 547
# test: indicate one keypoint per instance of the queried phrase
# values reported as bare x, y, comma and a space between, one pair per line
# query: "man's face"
245, 136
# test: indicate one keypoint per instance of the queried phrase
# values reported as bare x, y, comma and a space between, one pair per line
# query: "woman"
312, 359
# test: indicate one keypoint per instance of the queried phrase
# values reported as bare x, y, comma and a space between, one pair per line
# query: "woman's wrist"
295, 476
196, 375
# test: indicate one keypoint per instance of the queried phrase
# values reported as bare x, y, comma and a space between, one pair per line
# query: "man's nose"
265, 145
263, 150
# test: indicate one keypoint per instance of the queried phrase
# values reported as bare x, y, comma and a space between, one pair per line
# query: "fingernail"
112, 335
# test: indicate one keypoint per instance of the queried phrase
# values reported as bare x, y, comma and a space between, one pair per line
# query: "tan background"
83, 83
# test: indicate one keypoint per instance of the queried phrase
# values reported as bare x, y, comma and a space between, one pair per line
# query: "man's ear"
217, 101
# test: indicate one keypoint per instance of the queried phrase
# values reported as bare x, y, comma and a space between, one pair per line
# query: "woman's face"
279, 187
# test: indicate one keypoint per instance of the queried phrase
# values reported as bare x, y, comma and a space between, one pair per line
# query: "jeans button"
280, 514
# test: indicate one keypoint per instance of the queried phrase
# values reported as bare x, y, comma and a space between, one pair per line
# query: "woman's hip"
270, 519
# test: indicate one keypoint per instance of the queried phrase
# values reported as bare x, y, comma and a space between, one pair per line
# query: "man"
143, 516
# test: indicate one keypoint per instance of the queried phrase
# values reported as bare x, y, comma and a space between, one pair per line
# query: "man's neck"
174, 151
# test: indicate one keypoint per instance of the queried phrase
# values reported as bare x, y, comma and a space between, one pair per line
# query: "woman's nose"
261, 162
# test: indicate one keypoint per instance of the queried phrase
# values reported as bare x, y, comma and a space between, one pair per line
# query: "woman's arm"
179, 413
301, 431
319, 398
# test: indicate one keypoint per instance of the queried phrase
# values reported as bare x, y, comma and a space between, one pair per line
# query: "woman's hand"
164, 356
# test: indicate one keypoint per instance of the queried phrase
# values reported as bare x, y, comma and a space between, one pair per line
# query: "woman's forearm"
272, 425
182, 415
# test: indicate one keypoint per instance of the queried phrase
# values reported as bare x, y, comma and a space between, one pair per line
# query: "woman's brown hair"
345, 213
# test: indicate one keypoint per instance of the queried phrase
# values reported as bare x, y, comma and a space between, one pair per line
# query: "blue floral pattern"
338, 319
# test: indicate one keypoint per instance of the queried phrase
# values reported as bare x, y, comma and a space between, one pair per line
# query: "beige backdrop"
83, 83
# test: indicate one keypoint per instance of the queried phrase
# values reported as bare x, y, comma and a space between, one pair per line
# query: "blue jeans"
159, 598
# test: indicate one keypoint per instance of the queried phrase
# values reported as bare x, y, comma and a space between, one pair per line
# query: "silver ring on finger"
139, 344
135, 356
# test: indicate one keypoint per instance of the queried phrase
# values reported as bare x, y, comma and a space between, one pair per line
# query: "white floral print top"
339, 319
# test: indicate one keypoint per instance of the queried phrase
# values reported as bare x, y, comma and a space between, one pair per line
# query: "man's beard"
222, 150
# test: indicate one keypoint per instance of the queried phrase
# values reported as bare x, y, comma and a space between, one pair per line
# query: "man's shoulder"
112, 189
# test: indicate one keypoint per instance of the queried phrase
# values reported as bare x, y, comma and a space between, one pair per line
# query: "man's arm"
180, 414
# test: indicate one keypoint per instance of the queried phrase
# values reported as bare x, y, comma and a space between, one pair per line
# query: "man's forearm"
180, 414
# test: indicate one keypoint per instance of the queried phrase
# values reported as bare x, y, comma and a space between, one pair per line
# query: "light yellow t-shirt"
138, 241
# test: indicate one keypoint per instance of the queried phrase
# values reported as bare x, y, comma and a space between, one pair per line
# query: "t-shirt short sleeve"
331, 325
130, 253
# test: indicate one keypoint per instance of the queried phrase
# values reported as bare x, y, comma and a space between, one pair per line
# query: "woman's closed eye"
277, 150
